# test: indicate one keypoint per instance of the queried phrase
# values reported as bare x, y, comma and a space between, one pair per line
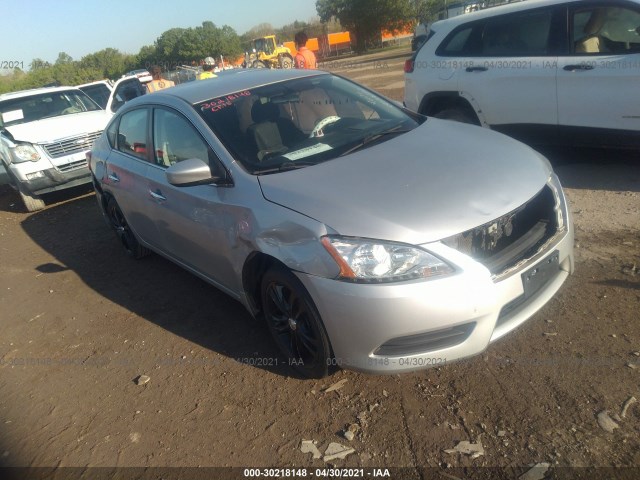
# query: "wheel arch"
435, 102
255, 266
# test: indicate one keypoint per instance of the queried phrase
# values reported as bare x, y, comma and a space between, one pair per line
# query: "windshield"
46, 105
302, 122
260, 44
99, 93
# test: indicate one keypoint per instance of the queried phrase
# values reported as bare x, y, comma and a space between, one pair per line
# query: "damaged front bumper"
51, 179
406, 326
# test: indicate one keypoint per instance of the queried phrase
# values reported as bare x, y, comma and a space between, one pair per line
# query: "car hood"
63, 126
438, 180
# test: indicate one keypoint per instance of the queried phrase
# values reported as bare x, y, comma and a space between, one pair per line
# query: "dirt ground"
80, 322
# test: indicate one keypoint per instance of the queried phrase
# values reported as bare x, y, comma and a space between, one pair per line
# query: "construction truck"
266, 53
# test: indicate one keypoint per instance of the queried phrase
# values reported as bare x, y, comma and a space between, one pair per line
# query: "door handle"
573, 68
157, 195
113, 177
476, 69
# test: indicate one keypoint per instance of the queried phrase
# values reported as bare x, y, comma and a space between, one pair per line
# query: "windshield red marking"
223, 102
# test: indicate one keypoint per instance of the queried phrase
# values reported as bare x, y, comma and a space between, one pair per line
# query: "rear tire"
295, 323
32, 202
457, 115
123, 231
286, 62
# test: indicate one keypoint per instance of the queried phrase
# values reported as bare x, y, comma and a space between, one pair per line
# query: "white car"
141, 74
540, 70
45, 134
99, 91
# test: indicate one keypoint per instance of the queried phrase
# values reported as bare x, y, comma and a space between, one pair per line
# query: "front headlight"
366, 260
25, 153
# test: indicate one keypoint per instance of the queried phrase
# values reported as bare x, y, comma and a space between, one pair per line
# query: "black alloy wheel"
295, 323
123, 231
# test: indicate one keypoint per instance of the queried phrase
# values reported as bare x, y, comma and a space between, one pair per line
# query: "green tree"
313, 28
367, 18
256, 31
167, 44
427, 10
64, 58
179, 46
37, 63
230, 45
111, 62
146, 57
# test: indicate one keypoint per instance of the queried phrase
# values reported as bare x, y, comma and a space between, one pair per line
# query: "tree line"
365, 19
189, 46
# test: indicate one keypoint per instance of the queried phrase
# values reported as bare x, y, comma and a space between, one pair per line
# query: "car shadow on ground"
595, 169
152, 288
614, 282
13, 203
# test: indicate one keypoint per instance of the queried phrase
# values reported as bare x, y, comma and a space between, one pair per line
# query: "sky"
43, 28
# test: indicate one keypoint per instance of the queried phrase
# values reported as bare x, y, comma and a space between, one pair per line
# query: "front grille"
508, 240
71, 145
72, 166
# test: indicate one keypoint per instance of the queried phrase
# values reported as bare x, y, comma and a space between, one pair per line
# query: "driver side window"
176, 140
606, 29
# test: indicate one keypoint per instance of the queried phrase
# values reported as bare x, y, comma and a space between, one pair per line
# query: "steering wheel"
69, 110
317, 130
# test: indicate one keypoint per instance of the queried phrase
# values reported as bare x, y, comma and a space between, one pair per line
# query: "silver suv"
549, 71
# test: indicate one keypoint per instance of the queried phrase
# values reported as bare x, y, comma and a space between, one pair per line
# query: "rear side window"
112, 133
522, 34
525, 34
455, 45
132, 133
125, 91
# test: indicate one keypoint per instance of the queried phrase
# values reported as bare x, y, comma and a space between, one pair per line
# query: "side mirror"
190, 172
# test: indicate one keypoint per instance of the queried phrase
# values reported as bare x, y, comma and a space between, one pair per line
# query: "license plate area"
536, 277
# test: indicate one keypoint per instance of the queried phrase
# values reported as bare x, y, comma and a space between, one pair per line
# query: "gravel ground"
81, 322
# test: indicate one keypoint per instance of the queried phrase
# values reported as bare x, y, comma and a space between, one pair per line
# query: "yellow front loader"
268, 54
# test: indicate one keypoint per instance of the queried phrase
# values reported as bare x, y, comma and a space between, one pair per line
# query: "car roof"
230, 81
109, 83
35, 91
517, 6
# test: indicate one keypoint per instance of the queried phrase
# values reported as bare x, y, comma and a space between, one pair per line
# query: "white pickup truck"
45, 134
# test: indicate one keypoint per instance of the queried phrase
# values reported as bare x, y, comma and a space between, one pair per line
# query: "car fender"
476, 108
4, 175
5, 160
430, 97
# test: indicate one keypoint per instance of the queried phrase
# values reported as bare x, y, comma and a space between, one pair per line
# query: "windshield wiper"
372, 137
284, 167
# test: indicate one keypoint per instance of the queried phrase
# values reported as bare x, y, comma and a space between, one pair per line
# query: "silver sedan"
366, 236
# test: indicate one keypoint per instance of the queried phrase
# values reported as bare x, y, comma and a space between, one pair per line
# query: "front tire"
295, 324
123, 231
457, 115
286, 62
31, 202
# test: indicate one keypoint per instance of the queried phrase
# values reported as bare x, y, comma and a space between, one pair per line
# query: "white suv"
45, 134
552, 71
